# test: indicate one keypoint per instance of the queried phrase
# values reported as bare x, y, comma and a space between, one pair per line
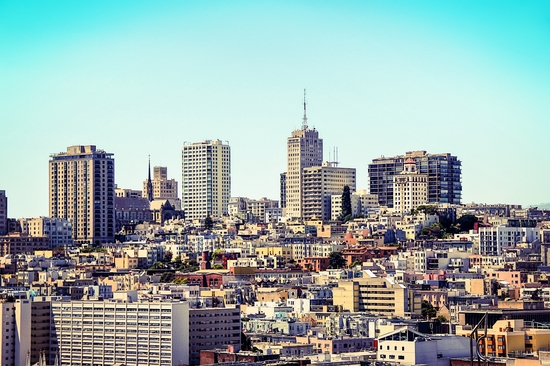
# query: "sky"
140, 78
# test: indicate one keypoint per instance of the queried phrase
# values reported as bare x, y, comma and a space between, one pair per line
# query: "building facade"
3, 213
161, 187
206, 179
116, 332
60, 231
410, 189
304, 150
319, 183
443, 170
82, 190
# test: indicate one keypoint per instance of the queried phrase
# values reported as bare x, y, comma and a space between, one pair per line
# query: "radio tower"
304, 120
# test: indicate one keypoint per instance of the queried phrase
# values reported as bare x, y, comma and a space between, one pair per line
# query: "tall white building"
304, 150
410, 188
319, 184
116, 332
206, 179
493, 239
82, 190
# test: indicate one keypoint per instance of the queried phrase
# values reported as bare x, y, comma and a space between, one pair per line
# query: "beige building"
82, 190
60, 231
376, 295
304, 150
206, 179
16, 332
410, 188
362, 204
160, 187
319, 183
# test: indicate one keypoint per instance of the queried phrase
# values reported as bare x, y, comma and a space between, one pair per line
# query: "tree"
167, 277
467, 222
442, 319
208, 223
428, 311
168, 257
357, 262
336, 260
346, 205
217, 266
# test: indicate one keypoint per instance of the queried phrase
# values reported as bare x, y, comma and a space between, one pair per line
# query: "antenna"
304, 120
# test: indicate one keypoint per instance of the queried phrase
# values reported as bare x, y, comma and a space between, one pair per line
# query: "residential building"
19, 243
3, 213
206, 179
410, 189
82, 190
16, 332
443, 171
493, 239
362, 204
127, 193
319, 184
60, 231
282, 185
211, 328
120, 332
304, 150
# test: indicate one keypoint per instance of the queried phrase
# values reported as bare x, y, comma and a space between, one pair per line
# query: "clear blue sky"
383, 77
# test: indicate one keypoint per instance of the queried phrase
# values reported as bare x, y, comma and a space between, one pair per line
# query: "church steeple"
149, 183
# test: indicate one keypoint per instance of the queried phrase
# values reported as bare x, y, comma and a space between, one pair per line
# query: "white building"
304, 150
116, 332
410, 189
362, 204
16, 332
493, 239
206, 179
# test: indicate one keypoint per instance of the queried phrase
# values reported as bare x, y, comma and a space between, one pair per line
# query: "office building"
443, 171
82, 190
206, 179
119, 332
319, 183
410, 189
3, 213
304, 150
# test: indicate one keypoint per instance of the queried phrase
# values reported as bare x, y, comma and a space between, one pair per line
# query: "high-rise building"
282, 189
443, 171
319, 183
82, 190
206, 179
3, 213
129, 333
304, 150
410, 189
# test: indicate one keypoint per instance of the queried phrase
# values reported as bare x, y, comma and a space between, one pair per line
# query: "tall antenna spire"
149, 183
304, 120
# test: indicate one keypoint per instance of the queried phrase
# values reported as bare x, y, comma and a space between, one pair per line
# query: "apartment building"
15, 330
60, 231
206, 179
304, 150
319, 184
493, 239
211, 328
19, 243
116, 332
410, 189
82, 190
443, 171
3, 213
362, 204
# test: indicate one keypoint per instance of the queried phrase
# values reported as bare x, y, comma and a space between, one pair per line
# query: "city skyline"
383, 78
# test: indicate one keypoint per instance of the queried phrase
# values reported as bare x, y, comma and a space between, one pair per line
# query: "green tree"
167, 257
428, 311
336, 260
442, 319
357, 262
467, 222
346, 205
217, 266
167, 277
208, 223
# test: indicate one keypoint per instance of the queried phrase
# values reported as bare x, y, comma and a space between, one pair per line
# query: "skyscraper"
304, 150
443, 171
206, 179
82, 190
3, 213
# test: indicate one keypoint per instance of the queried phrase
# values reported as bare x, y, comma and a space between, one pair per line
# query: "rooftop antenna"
304, 120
